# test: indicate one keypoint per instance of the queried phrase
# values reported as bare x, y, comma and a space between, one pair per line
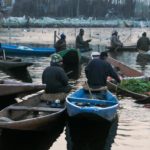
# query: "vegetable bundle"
136, 85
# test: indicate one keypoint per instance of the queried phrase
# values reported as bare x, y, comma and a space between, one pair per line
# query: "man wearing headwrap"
55, 79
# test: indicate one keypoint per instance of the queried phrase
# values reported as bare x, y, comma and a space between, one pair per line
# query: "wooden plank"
28, 108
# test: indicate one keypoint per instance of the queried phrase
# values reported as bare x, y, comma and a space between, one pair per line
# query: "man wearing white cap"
98, 70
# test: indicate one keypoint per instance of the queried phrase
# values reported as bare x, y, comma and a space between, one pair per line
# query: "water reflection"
27, 140
142, 64
86, 135
7, 100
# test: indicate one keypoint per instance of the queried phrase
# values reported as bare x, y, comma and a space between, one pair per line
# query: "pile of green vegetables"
136, 85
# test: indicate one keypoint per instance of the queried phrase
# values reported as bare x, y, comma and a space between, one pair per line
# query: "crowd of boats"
31, 113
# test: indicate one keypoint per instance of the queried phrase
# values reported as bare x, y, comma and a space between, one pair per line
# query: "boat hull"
8, 87
124, 48
13, 63
27, 51
102, 109
24, 116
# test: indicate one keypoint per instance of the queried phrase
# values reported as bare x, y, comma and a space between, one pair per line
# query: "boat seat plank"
28, 108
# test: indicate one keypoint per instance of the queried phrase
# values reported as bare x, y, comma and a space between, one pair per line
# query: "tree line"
81, 8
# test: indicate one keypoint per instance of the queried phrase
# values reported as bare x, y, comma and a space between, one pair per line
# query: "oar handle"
4, 55
89, 90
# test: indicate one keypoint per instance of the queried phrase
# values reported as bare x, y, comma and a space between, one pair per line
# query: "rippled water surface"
130, 131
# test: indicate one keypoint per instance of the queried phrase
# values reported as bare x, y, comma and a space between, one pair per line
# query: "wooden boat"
71, 62
140, 98
128, 73
124, 69
80, 105
26, 51
124, 48
9, 87
92, 134
30, 114
13, 63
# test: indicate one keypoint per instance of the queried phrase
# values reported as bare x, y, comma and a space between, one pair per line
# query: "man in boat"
115, 42
97, 72
143, 43
80, 43
56, 80
61, 43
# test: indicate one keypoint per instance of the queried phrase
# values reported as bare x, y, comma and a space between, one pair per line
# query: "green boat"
71, 62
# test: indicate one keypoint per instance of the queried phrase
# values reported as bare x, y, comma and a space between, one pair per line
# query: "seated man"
115, 42
80, 43
61, 43
143, 43
97, 72
55, 79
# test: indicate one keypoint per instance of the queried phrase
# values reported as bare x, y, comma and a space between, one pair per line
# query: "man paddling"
61, 43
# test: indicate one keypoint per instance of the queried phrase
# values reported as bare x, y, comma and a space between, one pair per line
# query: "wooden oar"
4, 55
91, 96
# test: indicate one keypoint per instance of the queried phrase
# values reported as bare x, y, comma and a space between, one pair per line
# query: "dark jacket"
55, 79
60, 45
80, 43
143, 43
97, 72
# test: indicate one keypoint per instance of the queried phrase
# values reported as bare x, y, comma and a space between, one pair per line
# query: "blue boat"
26, 51
79, 104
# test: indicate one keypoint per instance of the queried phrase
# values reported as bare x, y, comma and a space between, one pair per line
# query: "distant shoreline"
23, 22
45, 36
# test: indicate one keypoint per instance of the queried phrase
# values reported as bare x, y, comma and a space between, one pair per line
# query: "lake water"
130, 131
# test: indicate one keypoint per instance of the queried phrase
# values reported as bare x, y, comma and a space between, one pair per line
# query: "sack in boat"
87, 88
53, 96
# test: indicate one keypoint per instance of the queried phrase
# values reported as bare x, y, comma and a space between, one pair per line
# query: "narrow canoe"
9, 87
26, 51
141, 98
124, 48
129, 73
71, 62
31, 114
79, 104
126, 70
13, 63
